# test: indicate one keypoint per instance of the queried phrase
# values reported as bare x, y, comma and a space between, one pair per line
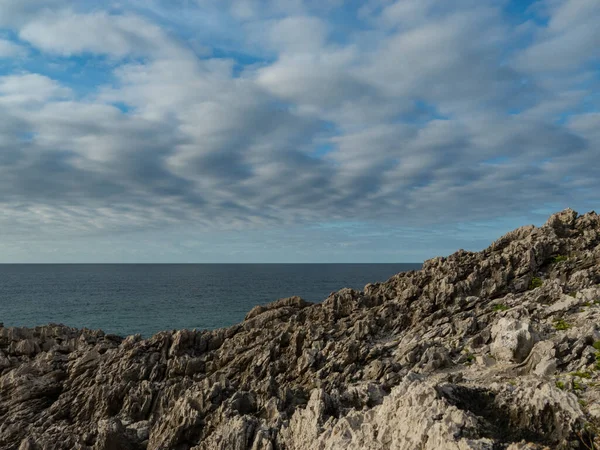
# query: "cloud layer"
211, 115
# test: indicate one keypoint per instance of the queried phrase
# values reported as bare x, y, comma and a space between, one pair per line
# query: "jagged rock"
542, 409
512, 340
290, 302
485, 360
541, 361
562, 222
111, 436
467, 353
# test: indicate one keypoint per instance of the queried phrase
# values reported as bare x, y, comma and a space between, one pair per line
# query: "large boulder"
512, 340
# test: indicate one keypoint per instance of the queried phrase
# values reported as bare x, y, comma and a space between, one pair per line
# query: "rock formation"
498, 349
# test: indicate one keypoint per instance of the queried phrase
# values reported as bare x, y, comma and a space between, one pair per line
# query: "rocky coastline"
498, 349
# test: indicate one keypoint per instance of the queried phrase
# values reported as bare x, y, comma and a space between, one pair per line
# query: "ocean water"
146, 298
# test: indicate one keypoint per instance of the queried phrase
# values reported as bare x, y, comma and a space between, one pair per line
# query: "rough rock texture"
491, 350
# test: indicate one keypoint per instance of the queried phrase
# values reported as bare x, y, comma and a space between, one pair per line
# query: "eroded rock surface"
498, 349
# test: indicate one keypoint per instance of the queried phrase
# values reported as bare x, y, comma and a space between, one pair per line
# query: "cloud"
443, 63
14, 13
405, 114
571, 38
9, 49
298, 34
29, 89
67, 32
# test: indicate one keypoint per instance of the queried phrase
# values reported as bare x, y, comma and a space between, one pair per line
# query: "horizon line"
199, 263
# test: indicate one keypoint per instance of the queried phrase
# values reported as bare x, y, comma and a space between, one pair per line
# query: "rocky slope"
492, 350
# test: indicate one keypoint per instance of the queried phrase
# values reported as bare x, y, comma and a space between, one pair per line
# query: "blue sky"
291, 130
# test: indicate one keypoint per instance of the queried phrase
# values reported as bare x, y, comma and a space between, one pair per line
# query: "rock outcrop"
498, 349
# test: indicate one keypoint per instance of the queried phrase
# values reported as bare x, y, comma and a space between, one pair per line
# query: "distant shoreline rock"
498, 349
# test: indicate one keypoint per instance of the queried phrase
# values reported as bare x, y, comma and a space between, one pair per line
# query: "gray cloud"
17, 13
572, 37
9, 49
67, 32
436, 116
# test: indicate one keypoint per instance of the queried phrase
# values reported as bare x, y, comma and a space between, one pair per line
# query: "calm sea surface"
146, 298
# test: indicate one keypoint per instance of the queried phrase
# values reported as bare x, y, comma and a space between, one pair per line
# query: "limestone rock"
512, 340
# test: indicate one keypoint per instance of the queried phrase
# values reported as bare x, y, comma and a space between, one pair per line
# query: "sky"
291, 130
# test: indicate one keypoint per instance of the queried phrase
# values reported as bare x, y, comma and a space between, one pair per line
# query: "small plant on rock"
581, 374
536, 282
501, 307
560, 385
561, 325
469, 358
559, 258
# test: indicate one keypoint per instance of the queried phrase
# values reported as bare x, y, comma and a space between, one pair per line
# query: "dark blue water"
129, 298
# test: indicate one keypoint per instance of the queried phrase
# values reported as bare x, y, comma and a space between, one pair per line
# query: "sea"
126, 299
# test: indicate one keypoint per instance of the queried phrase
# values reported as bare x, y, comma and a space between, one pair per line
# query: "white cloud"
313, 79
572, 37
29, 89
443, 63
14, 13
9, 49
67, 33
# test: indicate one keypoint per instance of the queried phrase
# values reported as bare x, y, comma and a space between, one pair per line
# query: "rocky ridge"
498, 349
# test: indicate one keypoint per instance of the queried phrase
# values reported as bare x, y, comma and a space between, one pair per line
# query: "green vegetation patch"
469, 357
560, 385
561, 324
559, 258
596, 345
581, 374
535, 283
501, 307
